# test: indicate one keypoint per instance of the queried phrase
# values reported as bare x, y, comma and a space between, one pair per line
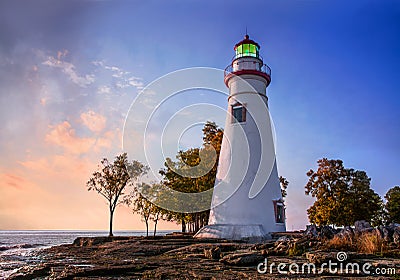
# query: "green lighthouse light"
247, 47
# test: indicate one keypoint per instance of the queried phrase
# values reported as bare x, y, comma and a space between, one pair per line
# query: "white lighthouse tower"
247, 201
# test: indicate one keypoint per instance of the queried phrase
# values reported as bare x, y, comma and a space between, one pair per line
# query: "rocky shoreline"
180, 256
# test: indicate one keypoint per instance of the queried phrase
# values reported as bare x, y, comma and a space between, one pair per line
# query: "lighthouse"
247, 201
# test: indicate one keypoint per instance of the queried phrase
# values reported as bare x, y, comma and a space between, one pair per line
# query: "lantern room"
247, 47
247, 61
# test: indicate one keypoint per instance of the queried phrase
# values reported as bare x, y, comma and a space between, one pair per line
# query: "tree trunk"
155, 224
197, 225
155, 228
147, 227
183, 225
111, 223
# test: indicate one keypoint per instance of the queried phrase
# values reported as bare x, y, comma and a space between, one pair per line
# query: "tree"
284, 185
112, 178
140, 199
393, 204
140, 205
157, 214
177, 176
205, 158
343, 195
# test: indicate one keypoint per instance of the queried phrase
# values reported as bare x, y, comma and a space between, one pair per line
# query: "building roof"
246, 40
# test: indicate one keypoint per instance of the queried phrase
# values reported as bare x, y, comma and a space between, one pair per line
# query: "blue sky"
70, 69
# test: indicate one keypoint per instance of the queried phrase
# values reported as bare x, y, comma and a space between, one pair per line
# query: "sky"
69, 71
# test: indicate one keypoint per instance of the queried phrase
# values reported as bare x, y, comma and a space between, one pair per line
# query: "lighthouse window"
239, 51
252, 50
279, 215
246, 50
238, 113
279, 211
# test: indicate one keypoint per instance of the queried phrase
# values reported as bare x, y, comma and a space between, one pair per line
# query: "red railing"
247, 65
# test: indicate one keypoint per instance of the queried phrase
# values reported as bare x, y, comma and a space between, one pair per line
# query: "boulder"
346, 232
394, 225
282, 240
396, 236
319, 257
387, 233
243, 259
327, 232
311, 230
266, 245
212, 253
362, 226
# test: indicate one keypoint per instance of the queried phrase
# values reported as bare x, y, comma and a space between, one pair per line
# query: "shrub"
370, 243
366, 243
342, 243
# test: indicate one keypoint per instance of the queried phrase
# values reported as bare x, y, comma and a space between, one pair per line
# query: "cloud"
60, 167
123, 79
43, 101
69, 69
117, 72
61, 54
104, 90
54, 137
95, 122
98, 63
130, 82
107, 140
64, 136
12, 180
49, 192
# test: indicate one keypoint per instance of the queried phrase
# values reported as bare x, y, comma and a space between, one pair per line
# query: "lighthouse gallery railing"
247, 65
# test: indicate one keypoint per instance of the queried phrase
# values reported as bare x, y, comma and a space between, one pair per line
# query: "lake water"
17, 248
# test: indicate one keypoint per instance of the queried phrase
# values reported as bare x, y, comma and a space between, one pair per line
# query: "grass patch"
365, 243
296, 250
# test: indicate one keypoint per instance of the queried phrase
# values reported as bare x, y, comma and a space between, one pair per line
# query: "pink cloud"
107, 140
94, 121
43, 101
60, 167
12, 180
63, 135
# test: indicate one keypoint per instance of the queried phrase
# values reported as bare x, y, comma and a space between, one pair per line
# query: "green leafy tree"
284, 185
393, 204
381, 216
343, 195
158, 214
111, 180
140, 205
143, 200
204, 159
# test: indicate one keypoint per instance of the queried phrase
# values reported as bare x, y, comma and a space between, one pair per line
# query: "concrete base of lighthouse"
251, 233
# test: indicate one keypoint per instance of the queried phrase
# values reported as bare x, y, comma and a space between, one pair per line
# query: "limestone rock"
319, 257
346, 232
387, 234
361, 226
212, 253
243, 259
282, 240
396, 236
327, 232
311, 230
